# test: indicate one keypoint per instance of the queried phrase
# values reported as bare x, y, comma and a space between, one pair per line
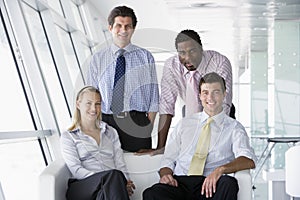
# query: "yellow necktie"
199, 158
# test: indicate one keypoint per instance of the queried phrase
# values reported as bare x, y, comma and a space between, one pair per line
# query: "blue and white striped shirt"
141, 86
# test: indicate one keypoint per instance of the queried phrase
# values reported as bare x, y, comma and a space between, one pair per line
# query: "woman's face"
89, 106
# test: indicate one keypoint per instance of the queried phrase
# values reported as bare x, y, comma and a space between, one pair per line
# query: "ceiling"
231, 27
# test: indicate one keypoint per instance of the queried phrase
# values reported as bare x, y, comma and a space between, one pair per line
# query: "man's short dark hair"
187, 35
213, 77
122, 11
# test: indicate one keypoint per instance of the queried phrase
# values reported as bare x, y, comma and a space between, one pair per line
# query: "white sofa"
142, 170
292, 174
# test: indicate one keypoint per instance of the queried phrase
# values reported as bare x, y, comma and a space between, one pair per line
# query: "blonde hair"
77, 116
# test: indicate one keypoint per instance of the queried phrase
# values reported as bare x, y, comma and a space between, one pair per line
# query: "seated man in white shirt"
228, 151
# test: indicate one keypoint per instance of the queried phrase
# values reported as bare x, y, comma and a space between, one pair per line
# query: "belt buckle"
122, 115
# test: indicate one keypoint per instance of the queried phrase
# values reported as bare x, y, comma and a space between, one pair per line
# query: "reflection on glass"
69, 55
77, 17
84, 54
15, 114
55, 5
21, 163
49, 71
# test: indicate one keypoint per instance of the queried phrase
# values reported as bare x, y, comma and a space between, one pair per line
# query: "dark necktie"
117, 103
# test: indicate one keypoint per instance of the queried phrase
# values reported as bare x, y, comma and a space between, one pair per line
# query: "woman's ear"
77, 104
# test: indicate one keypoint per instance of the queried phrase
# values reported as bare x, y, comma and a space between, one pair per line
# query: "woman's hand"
130, 187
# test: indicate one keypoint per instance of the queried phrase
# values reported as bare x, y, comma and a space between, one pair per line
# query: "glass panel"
259, 93
70, 57
15, 115
49, 70
21, 160
287, 78
21, 164
55, 5
84, 59
77, 17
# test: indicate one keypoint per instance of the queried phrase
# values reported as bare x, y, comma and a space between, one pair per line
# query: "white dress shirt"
229, 140
85, 157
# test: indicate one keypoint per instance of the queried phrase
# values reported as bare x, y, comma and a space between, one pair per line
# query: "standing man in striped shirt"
129, 100
191, 60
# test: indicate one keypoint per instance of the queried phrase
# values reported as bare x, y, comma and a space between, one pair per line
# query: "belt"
125, 114
122, 115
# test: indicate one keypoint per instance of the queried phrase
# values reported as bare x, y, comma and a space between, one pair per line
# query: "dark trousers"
134, 129
189, 188
107, 185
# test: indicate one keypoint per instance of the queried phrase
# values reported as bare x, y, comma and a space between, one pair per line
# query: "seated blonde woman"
93, 154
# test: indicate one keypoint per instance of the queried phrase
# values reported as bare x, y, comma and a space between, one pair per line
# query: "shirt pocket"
106, 153
82, 152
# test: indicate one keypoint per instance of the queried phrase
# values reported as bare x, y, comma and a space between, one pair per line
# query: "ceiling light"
260, 29
201, 5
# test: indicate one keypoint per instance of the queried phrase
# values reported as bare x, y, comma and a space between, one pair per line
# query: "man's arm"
210, 183
169, 92
163, 129
166, 177
237, 164
225, 70
151, 116
92, 73
165, 171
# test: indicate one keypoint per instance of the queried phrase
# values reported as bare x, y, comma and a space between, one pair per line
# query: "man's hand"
130, 187
151, 152
210, 183
168, 179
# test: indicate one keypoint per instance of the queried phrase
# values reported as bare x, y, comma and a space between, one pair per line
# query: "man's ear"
110, 27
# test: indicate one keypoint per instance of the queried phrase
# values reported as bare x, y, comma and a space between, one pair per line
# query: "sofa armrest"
245, 184
143, 171
53, 181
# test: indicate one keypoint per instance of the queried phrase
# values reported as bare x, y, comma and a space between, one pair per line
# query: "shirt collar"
218, 119
103, 127
115, 48
199, 68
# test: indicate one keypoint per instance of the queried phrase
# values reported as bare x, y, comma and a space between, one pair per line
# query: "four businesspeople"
205, 147
126, 76
203, 150
180, 79
92, 151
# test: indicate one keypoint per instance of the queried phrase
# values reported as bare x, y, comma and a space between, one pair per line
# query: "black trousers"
189, 188
134, 129
107, 185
